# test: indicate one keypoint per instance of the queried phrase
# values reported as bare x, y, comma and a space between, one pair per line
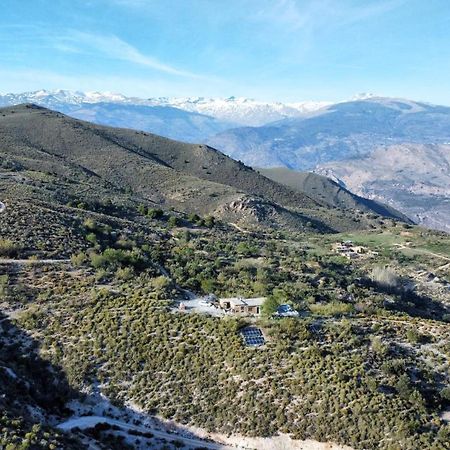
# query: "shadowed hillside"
59, 158
327, 191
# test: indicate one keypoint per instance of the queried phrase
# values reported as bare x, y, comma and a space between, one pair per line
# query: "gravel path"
22, 262
91, 421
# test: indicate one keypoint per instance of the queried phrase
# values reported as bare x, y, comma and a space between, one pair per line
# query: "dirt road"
91, 421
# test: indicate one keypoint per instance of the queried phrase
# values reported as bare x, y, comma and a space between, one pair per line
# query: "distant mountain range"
348, 141
337, 132
392, 150
119, 111
242, 110
207, 115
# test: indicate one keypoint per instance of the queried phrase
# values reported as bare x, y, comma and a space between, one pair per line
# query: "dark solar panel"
252, 337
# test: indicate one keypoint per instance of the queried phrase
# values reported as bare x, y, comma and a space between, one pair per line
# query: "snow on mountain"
241, 110
234, 110
51, 98
363, 96
116, 110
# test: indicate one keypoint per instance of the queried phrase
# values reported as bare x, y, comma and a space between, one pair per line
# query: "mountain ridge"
187, 177
324, 189
233, 111
347, 134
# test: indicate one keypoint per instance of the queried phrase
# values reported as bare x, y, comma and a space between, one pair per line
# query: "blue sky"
286, 50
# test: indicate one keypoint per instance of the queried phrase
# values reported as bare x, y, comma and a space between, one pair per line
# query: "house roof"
255, 301
239, 301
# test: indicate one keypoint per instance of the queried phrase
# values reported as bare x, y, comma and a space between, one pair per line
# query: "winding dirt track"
91, 421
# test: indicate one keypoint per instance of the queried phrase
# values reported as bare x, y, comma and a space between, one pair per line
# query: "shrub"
91, 238
9, 248
331, 309
445, 393
4, 280
97, 260
90, 225
194, 218
210, 221
78, 259
173, 221
142, 210
414, 337
379, 347
155, 213
385, 278
124, 273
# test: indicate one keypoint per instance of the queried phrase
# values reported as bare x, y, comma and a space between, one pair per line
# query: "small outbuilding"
239, 305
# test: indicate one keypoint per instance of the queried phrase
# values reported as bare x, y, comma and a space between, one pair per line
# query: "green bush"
9, 248
173, 221
331, 309
155, 213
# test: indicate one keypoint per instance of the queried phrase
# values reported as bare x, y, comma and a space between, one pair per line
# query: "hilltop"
326, 190
62, 159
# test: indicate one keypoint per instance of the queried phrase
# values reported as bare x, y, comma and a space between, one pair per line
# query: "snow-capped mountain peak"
234, 110
364, 96
241, 110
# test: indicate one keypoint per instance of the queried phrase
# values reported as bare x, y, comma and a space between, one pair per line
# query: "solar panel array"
253, 337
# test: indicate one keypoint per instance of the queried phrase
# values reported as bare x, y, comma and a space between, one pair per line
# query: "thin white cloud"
94, 44
294, 15
367, 11
115, 48
293, 27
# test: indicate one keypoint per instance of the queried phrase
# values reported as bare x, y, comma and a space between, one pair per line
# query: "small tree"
208, 285
155, 213
142, 210
194, 218
210, 221
92, 238
173, 221
90, 224
79, 259
124, 273
270, 306
9, 248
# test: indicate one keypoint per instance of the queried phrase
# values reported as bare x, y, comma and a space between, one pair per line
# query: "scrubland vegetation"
365, 364
353, 368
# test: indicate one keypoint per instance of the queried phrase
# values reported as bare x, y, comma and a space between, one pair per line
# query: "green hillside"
111, 241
